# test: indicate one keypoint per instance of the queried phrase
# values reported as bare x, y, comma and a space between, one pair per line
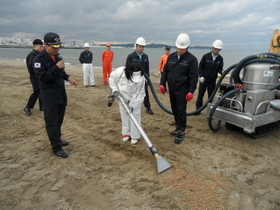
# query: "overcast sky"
240, 24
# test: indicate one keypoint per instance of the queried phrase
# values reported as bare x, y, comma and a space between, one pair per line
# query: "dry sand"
223, 170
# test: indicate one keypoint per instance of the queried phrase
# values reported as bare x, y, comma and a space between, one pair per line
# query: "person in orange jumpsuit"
163, 60
107, 58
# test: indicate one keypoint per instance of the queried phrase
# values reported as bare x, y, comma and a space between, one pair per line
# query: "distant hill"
113, 45
156, 46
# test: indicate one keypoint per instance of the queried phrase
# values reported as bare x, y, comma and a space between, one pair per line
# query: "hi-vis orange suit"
162, 62
107, 58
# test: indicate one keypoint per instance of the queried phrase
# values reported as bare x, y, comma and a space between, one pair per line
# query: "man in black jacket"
138, 56
86, 58
49, 69
38, 47
210, 65
181, 74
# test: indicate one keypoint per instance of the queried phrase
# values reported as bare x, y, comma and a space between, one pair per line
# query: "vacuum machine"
251, 99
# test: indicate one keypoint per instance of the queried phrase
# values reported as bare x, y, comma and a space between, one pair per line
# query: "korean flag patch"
37, 65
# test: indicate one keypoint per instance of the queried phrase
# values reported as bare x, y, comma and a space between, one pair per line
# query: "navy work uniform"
34, 81
144, 62
52, 94
181, 75
209, 67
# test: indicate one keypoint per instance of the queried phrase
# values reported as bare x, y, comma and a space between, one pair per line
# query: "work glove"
116, 94
189, 97
162, 89
201, 79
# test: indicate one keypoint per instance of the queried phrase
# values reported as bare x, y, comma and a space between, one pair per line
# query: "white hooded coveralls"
131, 92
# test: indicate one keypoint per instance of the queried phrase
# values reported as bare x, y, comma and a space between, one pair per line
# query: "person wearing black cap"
38, 47
163, 60
49, 69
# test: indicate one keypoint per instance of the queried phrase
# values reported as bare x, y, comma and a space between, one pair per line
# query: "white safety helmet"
86, 45
183, 41
141, 41
218, 44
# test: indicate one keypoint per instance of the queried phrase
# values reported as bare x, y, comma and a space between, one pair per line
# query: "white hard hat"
141, 41
183, 41
218, 44
86, 45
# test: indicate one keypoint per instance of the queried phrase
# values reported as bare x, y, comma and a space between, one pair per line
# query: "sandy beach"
214, 171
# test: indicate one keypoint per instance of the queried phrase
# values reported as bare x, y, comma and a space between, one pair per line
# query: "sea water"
71, 56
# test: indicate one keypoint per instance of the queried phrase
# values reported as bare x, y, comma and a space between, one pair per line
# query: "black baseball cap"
167, 48
53, 40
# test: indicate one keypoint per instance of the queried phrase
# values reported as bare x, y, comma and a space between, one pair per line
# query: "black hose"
214, 91
272, 58
155, 95
274, 107
210, 117
261, 58
203, 106
235, 73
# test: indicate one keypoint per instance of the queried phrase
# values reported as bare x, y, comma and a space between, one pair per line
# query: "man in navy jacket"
38, 47
180, 72
49, 69
138, 56
210, 65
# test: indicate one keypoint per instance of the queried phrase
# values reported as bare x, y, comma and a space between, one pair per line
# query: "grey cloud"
240, 24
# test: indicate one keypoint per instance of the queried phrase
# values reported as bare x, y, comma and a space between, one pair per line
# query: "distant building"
10, 40
26, 41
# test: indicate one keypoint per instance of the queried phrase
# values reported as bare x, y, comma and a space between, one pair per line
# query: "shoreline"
162, 46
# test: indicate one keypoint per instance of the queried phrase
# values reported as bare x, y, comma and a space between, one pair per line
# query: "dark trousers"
36, 92
210, 86
147, 98
54, 116
179, 106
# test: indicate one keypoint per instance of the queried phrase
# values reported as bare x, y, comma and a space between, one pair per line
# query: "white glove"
201, 79
159, 73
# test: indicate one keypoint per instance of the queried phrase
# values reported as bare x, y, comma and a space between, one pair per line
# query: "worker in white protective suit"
130, 83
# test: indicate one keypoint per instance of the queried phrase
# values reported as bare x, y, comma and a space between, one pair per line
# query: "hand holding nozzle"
111, 100
116, 94
112, 97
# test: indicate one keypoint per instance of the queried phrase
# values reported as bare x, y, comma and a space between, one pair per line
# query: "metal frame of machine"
251, 103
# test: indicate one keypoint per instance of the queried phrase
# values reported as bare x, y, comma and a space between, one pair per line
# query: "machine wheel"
231, 126
265, 130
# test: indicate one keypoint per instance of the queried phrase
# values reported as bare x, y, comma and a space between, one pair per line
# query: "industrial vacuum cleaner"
251, 100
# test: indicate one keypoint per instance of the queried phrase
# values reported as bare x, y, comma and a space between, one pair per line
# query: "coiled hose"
202, 107
272, 58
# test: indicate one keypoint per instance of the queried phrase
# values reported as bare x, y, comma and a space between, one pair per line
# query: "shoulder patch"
37, 65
